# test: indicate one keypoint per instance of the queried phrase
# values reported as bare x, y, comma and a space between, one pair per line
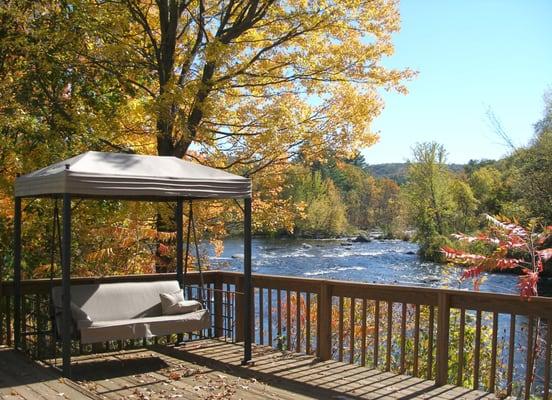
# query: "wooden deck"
211, 369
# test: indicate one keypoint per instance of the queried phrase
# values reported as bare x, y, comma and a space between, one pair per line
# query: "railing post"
240, 308
324, 348
66, 287
443, 324
17, 273
218, 306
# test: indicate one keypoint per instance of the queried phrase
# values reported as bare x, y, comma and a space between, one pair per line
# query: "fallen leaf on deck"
175, 376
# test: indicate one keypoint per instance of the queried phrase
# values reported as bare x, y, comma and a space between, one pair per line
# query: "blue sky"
471, 56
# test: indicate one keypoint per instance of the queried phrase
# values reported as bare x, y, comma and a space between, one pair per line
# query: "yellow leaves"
6, 206
101, 254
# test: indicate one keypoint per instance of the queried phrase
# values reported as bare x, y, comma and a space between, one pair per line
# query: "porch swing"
113, 311
150, 309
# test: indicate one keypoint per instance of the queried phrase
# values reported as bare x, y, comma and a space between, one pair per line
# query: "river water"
379, 261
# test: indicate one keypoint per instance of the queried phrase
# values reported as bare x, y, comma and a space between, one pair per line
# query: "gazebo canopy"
130, 176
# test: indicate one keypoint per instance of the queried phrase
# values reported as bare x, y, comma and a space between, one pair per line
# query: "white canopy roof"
130, 176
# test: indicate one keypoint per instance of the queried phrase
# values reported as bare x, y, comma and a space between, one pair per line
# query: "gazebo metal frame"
67, 196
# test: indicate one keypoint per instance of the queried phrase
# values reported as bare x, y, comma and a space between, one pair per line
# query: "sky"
471, 56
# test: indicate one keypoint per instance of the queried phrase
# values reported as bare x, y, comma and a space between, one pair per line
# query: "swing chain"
192, 231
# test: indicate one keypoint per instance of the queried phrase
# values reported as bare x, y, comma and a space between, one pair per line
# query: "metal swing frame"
66, 273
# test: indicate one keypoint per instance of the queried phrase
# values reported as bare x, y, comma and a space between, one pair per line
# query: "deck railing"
496, 342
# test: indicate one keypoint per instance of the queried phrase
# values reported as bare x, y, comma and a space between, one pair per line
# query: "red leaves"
508, 263
506, 238
506, 226
472, 273
528, 283
163, 249
460, 257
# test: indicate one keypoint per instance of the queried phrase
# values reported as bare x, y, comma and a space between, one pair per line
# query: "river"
379, 261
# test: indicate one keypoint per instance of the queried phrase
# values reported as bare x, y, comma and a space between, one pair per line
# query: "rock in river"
363, 238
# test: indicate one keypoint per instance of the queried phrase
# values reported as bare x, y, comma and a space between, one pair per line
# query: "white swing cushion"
130, 310
100, 331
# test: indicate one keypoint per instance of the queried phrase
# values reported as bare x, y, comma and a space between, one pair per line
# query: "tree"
234, 80
534, 164
388, 207
241, 85
428, 198
324, 212
358, 190
465, 205
486, 183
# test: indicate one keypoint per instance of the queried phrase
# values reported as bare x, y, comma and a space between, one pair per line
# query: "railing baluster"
477, 350
511, 352
298, 324
529, 358
240, 308
307, 323
442, 352
376, 332
403, 338
212, 294
324, 317
340, 341
218, 299
352, 333
416, 339
363, 333
269, 316
547, 351
261, 316
2, 307
8, 321
430, 342
288, 320
460, 378
389, 335
279, 313
492, 378
227, 321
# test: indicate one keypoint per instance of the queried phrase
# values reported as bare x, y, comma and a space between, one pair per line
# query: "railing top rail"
42, 285
470, 300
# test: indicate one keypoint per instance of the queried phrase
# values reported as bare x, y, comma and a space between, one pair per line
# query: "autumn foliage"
511, 246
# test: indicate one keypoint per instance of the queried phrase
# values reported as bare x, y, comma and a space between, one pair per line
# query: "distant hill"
397, 171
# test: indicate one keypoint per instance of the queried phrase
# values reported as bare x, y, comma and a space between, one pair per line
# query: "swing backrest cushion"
118, 301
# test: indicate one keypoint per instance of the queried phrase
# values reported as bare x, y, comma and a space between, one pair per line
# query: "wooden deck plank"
21, 378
